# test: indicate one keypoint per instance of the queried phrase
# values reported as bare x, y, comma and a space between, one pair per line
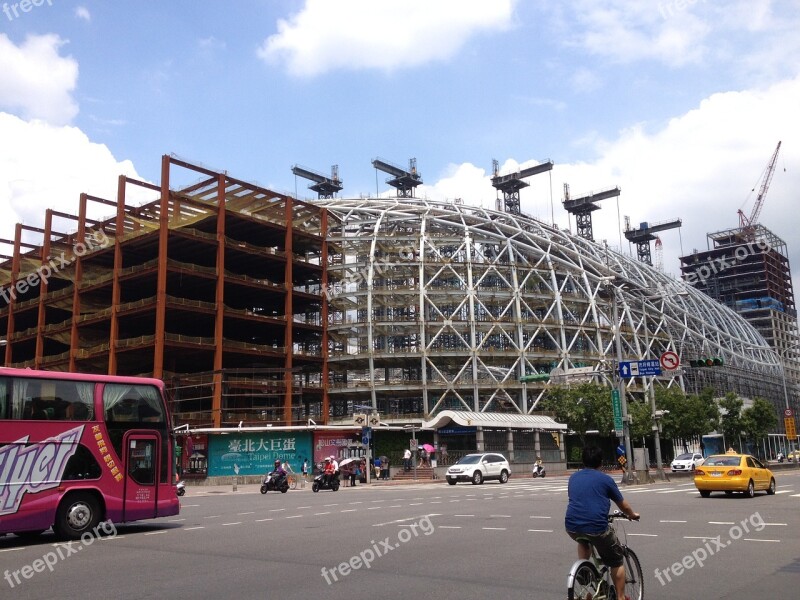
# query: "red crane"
746, 222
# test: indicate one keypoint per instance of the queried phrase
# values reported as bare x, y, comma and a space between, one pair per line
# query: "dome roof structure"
438, 306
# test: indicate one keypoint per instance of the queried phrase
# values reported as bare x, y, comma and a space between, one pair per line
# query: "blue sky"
679, 102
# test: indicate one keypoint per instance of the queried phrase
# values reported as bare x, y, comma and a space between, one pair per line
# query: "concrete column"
479, 445
562, 447
510, 444
537, 444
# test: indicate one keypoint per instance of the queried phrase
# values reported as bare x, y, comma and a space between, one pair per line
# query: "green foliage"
758, 420
689, 416
583, 408
731, 417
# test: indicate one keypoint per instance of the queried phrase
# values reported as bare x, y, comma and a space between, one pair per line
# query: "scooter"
321, 484
538, 471
180, 488
271, 482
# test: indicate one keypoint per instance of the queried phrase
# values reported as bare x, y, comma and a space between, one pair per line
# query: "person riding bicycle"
279, 473
590, 494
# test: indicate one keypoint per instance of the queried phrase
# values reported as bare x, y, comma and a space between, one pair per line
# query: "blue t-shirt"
590, 494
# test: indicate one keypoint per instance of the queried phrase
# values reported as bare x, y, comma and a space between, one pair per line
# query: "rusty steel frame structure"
217, 276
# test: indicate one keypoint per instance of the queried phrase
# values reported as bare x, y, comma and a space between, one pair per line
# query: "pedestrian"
384, 468
423, 457
590, 492
407, 460
304, 472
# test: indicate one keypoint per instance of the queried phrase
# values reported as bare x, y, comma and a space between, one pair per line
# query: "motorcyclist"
328, 471
538, 465
279, 473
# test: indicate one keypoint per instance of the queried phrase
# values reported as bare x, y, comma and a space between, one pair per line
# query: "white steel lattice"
436, 306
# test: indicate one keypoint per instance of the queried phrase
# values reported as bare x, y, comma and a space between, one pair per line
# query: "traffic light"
538, 377
707, 362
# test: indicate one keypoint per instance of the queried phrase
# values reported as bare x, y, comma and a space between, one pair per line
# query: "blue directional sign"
366, 435
639, 368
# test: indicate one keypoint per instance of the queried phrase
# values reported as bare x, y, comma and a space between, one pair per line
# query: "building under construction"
241, 298
214, 286
747, 270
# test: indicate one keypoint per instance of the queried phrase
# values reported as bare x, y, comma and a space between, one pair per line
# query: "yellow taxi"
732, 472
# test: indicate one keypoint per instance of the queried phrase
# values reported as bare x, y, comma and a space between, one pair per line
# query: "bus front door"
141, 480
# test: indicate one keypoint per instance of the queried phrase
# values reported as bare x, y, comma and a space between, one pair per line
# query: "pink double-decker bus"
77, 450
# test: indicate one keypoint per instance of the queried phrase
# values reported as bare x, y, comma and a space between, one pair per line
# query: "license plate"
716, 474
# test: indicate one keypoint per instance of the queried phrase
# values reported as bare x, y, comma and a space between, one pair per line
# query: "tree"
582, 408
689, 416
731, 417
758, 420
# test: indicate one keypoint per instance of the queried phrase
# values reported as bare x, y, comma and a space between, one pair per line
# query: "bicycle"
591, 579
292, 479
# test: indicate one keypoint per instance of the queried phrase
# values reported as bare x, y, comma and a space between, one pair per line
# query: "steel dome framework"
436, 306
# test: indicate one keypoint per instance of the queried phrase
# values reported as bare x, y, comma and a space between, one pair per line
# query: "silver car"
477, 468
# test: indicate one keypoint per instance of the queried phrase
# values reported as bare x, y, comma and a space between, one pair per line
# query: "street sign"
639, 368
412, 444
788, 412
360, 419
669, 361
374, 420
366, 434
791, 431
616, 405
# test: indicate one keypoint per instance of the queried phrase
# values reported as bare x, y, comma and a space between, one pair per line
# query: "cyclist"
590, 494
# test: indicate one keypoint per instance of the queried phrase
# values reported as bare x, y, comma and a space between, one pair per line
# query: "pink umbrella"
428, 447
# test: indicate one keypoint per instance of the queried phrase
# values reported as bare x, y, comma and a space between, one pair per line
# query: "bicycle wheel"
585, 583
634, 580
293, 482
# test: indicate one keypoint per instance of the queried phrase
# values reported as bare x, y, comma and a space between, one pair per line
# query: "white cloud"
35, 81
386, 35
45, 166
83, 13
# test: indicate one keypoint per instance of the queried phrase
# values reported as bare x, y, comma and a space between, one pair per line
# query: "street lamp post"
629, 468
413, 455
652, 395
782, 354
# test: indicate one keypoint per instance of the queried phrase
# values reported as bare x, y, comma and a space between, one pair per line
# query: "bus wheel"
77, 514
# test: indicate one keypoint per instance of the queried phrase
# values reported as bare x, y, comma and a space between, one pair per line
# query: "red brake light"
734, 472
698, 473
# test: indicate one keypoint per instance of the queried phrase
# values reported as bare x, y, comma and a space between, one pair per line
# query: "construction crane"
644, 234
512, 183
326, 187
748, 223
404, 181
659, 255
582, 208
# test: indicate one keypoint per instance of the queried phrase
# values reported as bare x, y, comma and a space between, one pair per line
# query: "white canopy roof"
493, 420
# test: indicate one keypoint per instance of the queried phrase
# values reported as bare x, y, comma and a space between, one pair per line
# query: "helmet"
327, 459
277, 463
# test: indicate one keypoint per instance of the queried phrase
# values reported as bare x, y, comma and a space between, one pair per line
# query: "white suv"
477, 468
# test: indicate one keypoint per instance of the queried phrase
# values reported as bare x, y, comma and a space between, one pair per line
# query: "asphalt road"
422, 541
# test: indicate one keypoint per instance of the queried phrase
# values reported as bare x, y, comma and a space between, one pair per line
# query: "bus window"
3, 400
51, 399
141, 466
132, 403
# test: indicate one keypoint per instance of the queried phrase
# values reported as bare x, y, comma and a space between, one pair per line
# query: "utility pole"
652, 394
629, 476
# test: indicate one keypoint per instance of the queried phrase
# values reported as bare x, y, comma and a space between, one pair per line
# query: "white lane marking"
212, 517
348, 510
327, 505
189, 505
414, 503
700, 537
665, 521
755, 540
463, 515
671, 491
294, 516
262, 520
276, 509
192, 528
373, 501
455, 500
644, 534
776, 524
13, 549
721, 523
541, 530
322, 513
252, 512
538, 517
236, 523
175, 520
435, 502
374, 508
359, 502
155, 532
500, 516
494, 528
406, 519
444, 527
299, 507
783, 491
394, 506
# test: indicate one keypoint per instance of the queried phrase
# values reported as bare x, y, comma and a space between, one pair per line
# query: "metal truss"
436, 306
